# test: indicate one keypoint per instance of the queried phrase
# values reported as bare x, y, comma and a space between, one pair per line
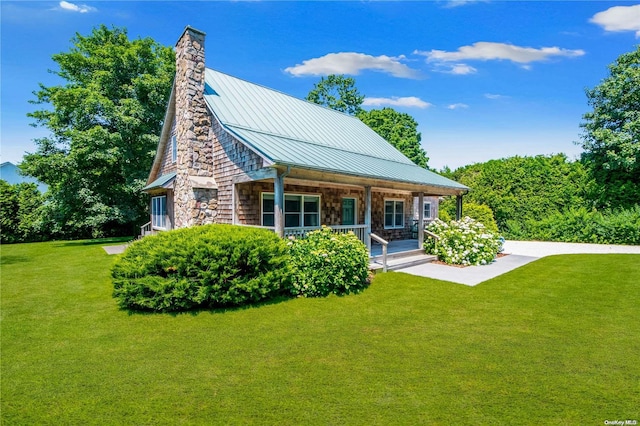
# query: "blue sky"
483, 79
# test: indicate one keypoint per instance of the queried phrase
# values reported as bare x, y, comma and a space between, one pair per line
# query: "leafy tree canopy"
104, 123
399, 129
337, 92
611, 137
20, 213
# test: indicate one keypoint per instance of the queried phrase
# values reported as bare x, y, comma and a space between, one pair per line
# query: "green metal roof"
293, 132
160, 182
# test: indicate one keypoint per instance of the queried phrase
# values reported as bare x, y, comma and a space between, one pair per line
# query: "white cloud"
458, 106
456, 3
485, 51
409, 101
494, 96
457, 69
81, 8
619, 18
352, 63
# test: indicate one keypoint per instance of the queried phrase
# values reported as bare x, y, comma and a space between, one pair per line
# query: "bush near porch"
216, 266
201, 267
325, 262
463, 242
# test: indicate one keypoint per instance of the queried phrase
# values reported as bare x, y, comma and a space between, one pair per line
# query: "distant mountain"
10, 173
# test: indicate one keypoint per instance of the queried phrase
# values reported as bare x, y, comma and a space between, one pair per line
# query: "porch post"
234, 198
278, 195
458, 207
420, 220
367, 217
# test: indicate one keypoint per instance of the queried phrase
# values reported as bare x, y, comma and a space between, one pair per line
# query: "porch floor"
394, 247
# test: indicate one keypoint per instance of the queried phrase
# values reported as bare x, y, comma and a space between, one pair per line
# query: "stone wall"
193, 206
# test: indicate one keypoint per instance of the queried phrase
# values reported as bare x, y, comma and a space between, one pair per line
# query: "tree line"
105, 120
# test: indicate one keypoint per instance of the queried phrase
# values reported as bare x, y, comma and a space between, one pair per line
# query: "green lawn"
554, 342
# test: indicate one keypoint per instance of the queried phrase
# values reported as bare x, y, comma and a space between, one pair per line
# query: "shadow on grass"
219, 310
101, 241
12, 260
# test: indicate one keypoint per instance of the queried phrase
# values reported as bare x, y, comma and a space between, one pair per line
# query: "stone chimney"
195, 196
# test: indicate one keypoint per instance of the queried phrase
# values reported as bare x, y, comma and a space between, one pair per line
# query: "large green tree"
399, 129
611, 137
337, 92
104, 123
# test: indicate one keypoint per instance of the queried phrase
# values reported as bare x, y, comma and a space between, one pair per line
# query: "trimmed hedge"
325, 263
583, 226
201, 267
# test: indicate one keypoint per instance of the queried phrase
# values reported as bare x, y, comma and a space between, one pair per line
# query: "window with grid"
393, 214
299, 210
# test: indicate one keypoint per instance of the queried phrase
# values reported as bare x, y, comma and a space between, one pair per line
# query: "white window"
174, 148
427, 210
299, 210
159, 212
393, 214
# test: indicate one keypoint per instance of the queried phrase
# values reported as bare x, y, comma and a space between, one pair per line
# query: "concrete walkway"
119, 249
520, 253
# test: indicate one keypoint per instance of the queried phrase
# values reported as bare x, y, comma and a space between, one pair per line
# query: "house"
11, 174
236, 152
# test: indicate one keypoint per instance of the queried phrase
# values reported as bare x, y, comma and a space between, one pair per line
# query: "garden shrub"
201, 267
463, 242
482, 214
325, 262
444, 215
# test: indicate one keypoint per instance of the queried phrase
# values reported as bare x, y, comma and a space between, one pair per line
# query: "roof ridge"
317, 144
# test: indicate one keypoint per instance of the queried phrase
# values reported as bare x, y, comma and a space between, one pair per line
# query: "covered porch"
293, 201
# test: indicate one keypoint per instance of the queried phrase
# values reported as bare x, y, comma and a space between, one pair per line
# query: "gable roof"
289, 131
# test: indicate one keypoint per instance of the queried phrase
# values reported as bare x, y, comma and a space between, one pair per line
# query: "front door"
348, 211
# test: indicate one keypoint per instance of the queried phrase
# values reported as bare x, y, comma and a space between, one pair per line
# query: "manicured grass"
554, 342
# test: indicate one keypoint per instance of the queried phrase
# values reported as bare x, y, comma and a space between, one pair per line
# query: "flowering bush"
463, 242
324, 262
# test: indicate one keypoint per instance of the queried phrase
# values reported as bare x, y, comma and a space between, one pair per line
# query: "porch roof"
292, 132
162, 182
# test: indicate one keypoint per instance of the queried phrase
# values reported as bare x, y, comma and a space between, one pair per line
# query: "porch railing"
302, 231
145, 230
384, 243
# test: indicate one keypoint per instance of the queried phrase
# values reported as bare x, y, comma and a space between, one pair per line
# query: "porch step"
399, 254
401, 260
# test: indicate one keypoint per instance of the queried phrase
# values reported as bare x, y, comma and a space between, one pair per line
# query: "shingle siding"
230, 158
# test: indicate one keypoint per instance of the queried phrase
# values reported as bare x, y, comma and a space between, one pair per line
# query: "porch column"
234, 200
420, 220
367, 217
458, 207
278, 195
